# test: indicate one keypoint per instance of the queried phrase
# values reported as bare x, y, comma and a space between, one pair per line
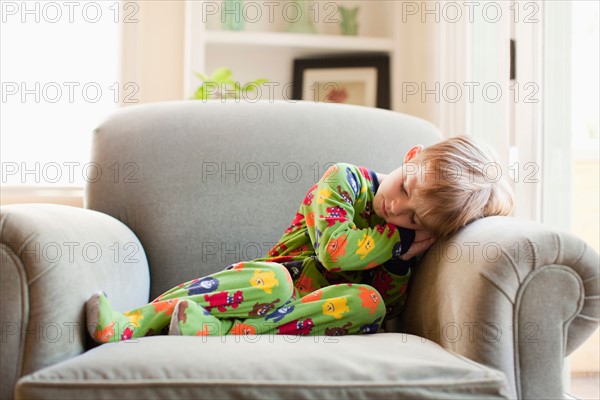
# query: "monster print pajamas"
336, 270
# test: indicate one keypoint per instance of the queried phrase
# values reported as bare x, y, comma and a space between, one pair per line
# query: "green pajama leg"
335, 310
342, 309
191, 319
248, 289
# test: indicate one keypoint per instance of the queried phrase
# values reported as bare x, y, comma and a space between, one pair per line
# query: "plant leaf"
221, 74
222, 78
200, 94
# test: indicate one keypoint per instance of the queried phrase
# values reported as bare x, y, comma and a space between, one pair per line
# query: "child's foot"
191, 319
174, 324
103, 323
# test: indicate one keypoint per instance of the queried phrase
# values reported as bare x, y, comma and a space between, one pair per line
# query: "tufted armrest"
53, 258
511, 294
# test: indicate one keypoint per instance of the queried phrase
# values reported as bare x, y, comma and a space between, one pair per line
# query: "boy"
344, 263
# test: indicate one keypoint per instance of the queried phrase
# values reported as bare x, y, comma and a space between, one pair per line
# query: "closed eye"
404, 187
412, 217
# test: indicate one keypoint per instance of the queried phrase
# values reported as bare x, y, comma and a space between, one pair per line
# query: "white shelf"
300, 41
265, 49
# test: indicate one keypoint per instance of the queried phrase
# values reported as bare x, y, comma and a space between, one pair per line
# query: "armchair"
189, 187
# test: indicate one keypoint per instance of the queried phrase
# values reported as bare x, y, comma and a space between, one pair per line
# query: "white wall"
153, 50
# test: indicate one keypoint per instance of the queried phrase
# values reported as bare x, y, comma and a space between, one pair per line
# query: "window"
585, 169
60, 67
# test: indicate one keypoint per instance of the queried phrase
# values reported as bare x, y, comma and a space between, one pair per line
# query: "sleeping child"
344, 263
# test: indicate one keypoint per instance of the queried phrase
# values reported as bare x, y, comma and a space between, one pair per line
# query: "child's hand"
423, 240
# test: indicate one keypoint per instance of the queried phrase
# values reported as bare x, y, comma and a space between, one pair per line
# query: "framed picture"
360, 80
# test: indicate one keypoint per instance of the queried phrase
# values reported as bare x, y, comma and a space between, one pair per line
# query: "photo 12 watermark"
72, 12
480, 331
69, 92
266, 171
68, 172
224, 251
42, 332
490, 12
251, 12
72, 252
455, 252
470, 92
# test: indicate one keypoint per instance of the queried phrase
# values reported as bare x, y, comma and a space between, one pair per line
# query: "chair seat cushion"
379, 366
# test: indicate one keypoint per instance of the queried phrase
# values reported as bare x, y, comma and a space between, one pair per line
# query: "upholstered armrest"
511, 294
53, 258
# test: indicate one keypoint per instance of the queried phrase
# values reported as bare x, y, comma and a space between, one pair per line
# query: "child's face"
395, 199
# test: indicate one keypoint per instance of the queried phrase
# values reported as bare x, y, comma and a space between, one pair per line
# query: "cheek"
377, 202
378, 199
378, 205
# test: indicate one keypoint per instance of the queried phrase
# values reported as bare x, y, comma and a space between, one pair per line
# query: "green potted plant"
221, 85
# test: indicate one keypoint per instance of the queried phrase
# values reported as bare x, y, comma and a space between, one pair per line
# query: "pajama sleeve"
391, 281
330, 211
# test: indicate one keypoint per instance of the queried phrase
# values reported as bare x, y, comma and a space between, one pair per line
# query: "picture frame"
351, 79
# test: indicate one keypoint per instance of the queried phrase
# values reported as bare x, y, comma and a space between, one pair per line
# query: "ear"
413, 152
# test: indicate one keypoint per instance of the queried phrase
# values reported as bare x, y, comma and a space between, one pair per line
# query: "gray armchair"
189, 187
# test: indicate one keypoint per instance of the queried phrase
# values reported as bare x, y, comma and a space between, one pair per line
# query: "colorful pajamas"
336, 270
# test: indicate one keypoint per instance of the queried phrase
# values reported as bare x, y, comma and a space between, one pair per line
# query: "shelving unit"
265, 50
300, 41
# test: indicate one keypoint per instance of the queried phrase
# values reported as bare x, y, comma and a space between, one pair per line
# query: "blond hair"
462, 183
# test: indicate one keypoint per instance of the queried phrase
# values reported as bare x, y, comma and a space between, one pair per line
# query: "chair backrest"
207, 184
